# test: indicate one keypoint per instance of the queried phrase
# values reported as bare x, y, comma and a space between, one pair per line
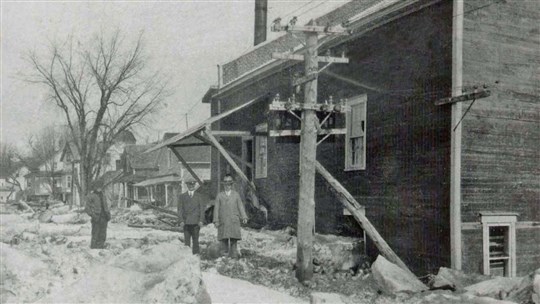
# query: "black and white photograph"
270, 151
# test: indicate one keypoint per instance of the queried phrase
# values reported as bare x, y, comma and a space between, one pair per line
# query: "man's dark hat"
190, 180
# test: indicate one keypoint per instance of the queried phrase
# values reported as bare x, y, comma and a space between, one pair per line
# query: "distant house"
13, 183
158, 176
70, 159
49, 180
111, 168
113, 157
136, 167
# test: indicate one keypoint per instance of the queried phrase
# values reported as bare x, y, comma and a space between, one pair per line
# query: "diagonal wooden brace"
186, 165
354, 208
228, 158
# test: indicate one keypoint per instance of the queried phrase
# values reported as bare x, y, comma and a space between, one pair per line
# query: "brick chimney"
261, 9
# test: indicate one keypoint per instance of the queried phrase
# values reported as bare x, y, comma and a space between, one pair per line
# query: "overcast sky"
185, 39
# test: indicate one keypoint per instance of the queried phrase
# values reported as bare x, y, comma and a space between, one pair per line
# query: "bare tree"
9, 165
102, 90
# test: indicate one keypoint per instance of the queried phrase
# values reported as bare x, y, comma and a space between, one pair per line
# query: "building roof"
70, 148
165, 179
140, 160
360, 17
131, 178
110, 177
44, 174
126, 137
191, 132
192, 154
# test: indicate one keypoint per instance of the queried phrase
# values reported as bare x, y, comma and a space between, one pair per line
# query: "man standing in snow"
98, 209
191, 207
228, 212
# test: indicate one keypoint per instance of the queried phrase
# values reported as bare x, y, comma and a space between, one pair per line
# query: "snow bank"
393, 279
70, 218
165, 273
223, 289
22, 277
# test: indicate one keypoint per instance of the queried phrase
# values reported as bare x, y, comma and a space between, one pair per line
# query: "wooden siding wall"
405, 186
406, 183
501, 134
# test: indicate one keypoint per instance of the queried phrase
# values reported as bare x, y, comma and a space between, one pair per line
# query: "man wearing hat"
191, 207
98, 209
228, 212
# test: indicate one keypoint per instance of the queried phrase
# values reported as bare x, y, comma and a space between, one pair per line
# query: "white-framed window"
57, 182
261, 152
355, 138
499, 243
68, 181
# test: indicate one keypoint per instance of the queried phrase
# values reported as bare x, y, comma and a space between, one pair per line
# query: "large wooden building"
444, 185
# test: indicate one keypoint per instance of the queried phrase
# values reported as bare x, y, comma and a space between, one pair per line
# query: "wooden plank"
356, 210
276, 133
189, 145
187, 166
166, 211
304, 79
300, 57
464, 97
202, 125
228, 158
317, 29
224, 133
166, 228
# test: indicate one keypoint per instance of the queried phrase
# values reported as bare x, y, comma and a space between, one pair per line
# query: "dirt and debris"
50, 261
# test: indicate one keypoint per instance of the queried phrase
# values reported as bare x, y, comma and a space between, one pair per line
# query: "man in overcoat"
98, 210
228, 213
191, 207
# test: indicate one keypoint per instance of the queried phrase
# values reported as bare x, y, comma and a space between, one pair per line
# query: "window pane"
357, 118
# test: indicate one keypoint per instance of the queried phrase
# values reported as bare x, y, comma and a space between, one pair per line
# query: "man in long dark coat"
191, 207
228, 213
98, 209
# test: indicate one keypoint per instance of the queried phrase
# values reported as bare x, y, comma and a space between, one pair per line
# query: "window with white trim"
57, 182
68, 179
499, 243
261, 152
355, 138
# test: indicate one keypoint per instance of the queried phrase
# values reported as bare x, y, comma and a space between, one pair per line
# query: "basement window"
355, 139
499, 243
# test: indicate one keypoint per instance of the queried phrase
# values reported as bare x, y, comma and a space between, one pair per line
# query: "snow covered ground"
223, 289
52, 263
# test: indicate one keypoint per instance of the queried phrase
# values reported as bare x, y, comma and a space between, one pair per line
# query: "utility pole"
308, 137
308, 149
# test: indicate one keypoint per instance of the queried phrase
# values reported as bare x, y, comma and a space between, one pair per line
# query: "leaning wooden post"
229, 159
354, 208
308, 150
186, 165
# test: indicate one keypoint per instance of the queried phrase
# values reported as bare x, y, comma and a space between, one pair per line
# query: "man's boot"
233, 252
224, 247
